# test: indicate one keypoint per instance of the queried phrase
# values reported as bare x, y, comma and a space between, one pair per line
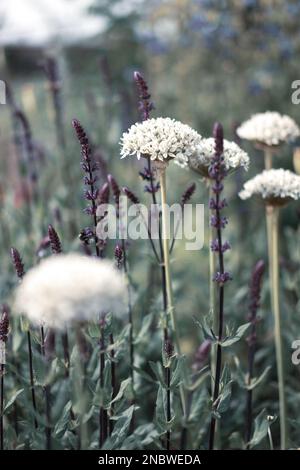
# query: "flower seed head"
54, 240
68, 288
80, 132
17, 262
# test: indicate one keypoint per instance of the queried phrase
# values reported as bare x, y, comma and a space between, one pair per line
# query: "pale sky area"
41, 22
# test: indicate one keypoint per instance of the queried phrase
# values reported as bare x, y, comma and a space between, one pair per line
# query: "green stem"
272, 218
165, 237
167, 272
268, 159
212, 288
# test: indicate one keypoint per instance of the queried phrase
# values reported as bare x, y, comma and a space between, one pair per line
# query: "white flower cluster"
234, 156
67, 288
276, 184
160, 139
269, 128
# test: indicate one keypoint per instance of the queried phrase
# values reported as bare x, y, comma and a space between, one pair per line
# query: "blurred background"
205, 60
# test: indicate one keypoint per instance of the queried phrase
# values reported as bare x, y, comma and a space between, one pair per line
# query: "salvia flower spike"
217, 172
55, 242
17, 262
90, 178
145, 105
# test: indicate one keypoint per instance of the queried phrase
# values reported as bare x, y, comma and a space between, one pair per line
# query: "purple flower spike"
145, 105
222, 278
17, 262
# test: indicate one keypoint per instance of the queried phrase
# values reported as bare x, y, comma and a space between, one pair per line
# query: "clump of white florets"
234, 156
274, 186
67, 288
269, 128
160, 139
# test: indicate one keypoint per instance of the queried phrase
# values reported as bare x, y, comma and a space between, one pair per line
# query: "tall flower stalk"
4, 326
272, 227
275, 188
90, 178
234, 158
96, 198
255, 294
166, 256
19, 268
145, 107
217, 173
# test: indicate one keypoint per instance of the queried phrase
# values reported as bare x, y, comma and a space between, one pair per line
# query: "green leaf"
123, 390
144, 374
62, 423
232, 339
120, 431
94, 330
199, 405
261, 426
12, 399
207, 331
178, 373
257, 380
224, 399
146, 324
157, 369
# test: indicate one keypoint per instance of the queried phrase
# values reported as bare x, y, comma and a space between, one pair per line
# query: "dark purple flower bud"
90, 210
119, 255
4, 323
86, 235
54, 240
146, 174
145, 105
202, 355
222, 278
188, 194
80, 132
155, 189
220, 205
217, 187
218, 222
91, 195
168, 348
215, 246
17, 262
90, 181
131, 196
219, 139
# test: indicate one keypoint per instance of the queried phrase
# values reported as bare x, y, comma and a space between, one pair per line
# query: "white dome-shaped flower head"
160, 139
234, 157
68, 288
275, 187
269, 129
